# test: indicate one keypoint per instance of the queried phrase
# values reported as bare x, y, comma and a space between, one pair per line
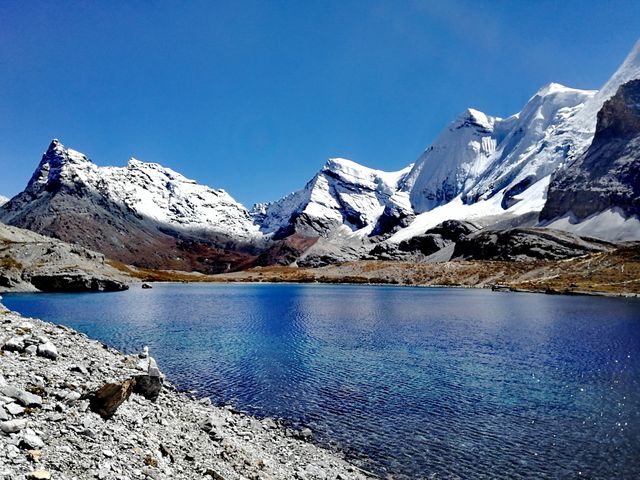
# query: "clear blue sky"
253, 97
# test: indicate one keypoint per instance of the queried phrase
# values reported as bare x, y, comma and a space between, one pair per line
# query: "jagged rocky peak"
619, 117
143, 213
57, 163
343, 198
147, 190
607, 176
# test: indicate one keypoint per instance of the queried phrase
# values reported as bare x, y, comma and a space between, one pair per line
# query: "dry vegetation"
617, 272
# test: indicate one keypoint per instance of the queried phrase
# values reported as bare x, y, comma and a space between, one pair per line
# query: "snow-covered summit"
479, 155
342, 198
147, 190
3, 200
500, 168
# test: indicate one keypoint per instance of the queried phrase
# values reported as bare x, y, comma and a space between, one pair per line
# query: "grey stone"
31, 350
13, 426
15, 409
23, 397
31, 442
14, 344
48, 350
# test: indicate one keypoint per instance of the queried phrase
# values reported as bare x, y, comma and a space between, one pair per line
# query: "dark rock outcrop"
76, 282
526, 244
608, 174
393, 218
438, 237
149, 386
430, 242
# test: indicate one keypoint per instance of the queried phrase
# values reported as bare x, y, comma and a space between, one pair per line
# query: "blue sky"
253, 97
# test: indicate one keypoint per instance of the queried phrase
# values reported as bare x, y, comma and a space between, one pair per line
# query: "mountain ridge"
485, 169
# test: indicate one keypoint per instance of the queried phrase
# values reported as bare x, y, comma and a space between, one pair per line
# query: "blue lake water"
413, 382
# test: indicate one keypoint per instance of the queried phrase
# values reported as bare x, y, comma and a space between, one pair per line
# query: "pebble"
39, 475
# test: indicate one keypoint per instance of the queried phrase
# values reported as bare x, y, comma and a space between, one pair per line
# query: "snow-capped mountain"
478, 155
146, 190
3, 200
488, 170
343, 199
601, 189
493, 170
134, 213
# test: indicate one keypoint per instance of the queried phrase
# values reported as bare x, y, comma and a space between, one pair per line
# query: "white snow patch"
612, 224
531, 200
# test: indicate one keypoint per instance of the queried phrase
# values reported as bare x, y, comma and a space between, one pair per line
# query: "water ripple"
417, 383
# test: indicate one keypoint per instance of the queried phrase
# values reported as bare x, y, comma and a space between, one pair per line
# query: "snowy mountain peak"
473, 118
343, 198
555, 88
491, 154
149, 190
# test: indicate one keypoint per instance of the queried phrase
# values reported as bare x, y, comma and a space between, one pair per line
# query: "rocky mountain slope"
522, 244
142, 214
607, 176
31, 262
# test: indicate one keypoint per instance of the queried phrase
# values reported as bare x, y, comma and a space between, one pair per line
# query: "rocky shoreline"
49, 375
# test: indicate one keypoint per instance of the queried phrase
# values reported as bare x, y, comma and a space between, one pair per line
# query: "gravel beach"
50, 428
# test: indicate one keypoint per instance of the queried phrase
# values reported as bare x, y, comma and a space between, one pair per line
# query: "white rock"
31, 350
13, 426
48, 350
32, 441
23, 397
15, 409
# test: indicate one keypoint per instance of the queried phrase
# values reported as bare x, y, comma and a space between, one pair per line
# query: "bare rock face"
76, 282
29, 261
608, 174
522, 244
106, 400
438, 237
433, 240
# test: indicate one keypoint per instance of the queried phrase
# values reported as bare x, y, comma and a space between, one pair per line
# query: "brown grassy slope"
617, 271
